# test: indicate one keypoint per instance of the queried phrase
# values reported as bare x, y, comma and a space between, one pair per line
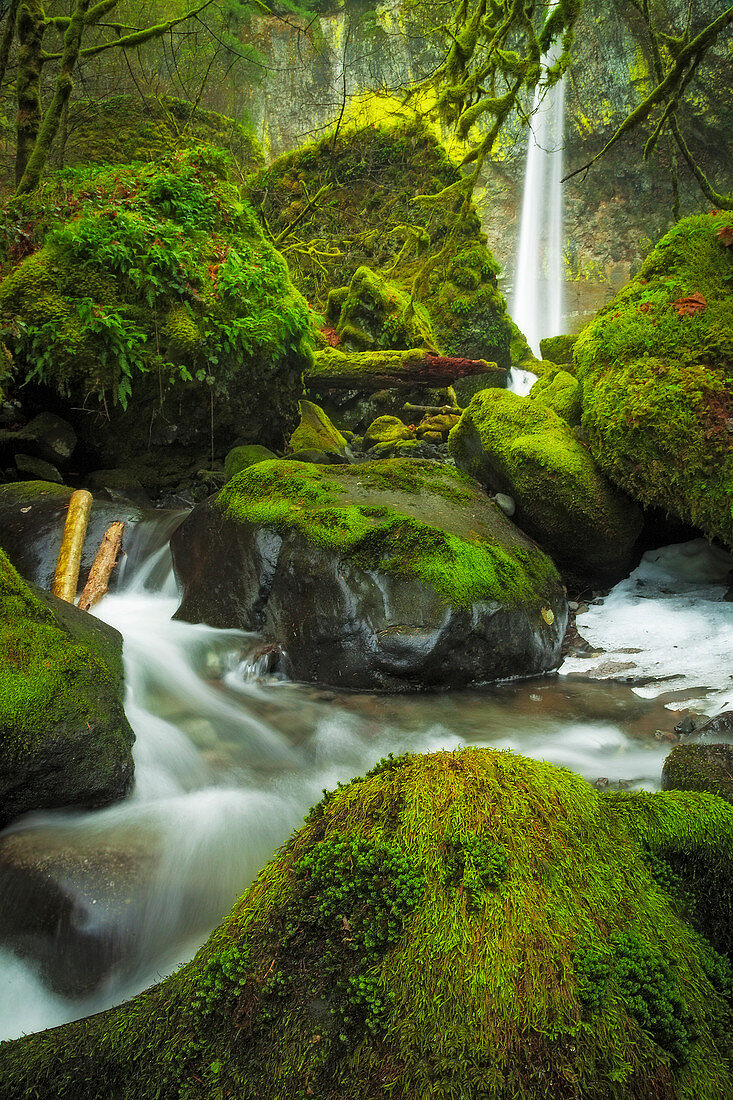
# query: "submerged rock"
466, 924
396, 574
64, 738
516, 446
656, 366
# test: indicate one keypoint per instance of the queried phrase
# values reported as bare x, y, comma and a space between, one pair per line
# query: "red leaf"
690, 306
725, 234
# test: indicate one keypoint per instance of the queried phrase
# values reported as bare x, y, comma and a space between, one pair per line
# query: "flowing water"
537, 300
228, 759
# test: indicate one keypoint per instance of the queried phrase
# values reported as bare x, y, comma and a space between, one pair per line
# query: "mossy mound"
468, 924
561, 392
657, 372
370, 216
515, 445
558, 349
152, 289
125, 128
64, 738
700, 768
375, 313
239, 458
398, 574
387, 429
315, 432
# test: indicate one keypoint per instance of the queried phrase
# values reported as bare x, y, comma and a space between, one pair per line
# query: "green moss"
558, 349
518, 446
370, 217
240, 458
375, 313
358, 960
658, 382
464, 557
387, 429
315, 432
700, 767
561, 392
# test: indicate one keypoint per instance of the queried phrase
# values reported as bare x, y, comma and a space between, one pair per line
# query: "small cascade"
538, 283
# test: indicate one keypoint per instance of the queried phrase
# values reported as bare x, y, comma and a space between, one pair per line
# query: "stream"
228, 760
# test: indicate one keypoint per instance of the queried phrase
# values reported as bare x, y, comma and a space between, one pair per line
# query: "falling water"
537, 302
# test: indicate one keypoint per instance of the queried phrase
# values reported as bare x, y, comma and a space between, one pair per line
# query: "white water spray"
538, 284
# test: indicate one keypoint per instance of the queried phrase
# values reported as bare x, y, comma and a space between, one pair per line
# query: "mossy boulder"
153, 302
239, 458
656, 367
700, 768
514, 445
125, 128
64, 738
398, 574
560, 391
558, 349
375, 313
370, 218
466, 924
316, 432
387, 429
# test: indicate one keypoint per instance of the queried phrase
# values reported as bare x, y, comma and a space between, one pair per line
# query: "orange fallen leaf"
690, 306
725, 234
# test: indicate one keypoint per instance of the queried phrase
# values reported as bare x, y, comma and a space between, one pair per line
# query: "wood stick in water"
66, 576
104, 563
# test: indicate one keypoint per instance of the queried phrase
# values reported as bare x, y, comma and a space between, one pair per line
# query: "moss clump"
657, 372
370, 217
239, 458
561, 392
387, 429
514, 445
468, 924
402, 516
558, 349
375, 313
64, 738
703, 767
316, 432
122, 129
155, 281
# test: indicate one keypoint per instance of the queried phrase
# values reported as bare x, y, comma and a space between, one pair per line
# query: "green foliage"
475, 864
658, 383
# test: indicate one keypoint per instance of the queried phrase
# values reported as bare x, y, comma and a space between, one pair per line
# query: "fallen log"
370, 371
68, 564
102, 567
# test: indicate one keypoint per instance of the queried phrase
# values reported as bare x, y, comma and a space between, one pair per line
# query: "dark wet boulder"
515, 445
32, 516
656, 367
398, 575
64, 738
466, 924
700, 768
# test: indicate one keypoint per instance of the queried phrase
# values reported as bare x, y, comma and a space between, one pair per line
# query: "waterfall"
538, 282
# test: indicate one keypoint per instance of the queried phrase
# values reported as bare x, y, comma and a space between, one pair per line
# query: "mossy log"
466, 924
382, 370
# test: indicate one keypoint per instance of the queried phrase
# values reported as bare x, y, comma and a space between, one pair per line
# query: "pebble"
506, 503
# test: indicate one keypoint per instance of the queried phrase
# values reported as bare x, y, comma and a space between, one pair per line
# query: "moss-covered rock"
64, 738
561, 392
657, 372
239, 458
153, 293
514, 445
387, 429
371, 217
316, 432
375, 313
125, 128
700, 768
558, 349
466, 924
397, 574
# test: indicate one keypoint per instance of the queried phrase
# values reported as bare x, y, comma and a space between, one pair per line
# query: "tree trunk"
52, 118
369, 371
69, 562
31, 29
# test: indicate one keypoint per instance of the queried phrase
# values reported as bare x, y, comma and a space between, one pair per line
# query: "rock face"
469, 924
398, 575
700, 768
515, 445
656, 368
64, 738
32, 516
161, 317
